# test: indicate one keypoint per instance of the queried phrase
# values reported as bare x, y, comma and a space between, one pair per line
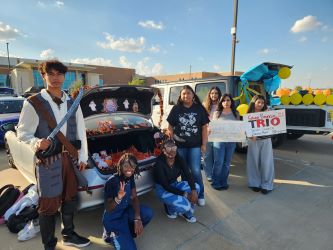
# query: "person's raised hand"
121, 192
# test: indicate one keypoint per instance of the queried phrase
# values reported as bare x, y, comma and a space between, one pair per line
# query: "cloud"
124, 62
324, 39
93, 61
264, 51
217, 67
8, 33
143, 69
306, 24
150, 24
47, 54
303, 39
58, 4
123, 44
154, 49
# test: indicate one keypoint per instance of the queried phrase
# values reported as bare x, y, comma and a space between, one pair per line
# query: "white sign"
265, 123
226, 131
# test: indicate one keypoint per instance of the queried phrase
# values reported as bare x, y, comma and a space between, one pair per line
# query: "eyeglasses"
170, 148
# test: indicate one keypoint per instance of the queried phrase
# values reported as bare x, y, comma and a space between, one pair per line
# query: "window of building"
38, 80
3, 80
100, 82
69, 79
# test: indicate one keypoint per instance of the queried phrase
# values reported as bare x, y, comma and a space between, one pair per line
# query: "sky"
175, 36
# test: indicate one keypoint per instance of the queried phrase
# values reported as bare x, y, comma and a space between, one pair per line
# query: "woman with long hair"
210, 105
188, 122
260, 162
223, 151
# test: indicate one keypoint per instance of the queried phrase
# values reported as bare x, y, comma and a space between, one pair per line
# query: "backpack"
16, 223
8, 196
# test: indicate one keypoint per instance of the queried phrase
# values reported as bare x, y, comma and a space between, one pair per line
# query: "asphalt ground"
296, 215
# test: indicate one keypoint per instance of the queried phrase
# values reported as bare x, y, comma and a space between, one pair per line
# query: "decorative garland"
159, 94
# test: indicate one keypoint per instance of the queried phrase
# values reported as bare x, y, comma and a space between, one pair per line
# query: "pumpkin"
327, 92
317, 92
282, 91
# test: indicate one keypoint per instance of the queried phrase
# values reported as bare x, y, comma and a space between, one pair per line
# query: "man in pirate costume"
55, 174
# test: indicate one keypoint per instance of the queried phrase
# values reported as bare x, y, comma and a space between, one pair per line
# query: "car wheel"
278, 140
10, 157
292, 136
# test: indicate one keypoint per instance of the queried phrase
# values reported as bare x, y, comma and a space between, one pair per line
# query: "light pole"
9, 82
234, 38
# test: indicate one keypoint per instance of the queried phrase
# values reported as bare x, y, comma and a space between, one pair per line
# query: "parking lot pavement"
296, 215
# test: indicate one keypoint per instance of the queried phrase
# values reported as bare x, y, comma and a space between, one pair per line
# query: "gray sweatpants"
260, 164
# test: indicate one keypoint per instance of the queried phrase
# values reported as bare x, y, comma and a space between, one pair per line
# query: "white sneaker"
201, 202
191, 219
29, 231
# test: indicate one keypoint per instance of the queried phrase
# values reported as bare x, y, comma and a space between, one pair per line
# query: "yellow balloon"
284, 72
319, 99
285, 99
296, 98
329, 100
307, 99
242, 109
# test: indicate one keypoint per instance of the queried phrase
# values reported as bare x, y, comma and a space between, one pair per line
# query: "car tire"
9, 156
278, 140
291, 136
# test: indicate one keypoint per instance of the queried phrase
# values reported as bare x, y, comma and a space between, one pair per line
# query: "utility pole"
234, 38
9, 81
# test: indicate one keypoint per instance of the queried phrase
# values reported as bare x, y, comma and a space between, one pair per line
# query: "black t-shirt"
165, 175
187, 124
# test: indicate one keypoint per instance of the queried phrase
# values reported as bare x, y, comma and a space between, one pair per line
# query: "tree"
298, 88
136, 81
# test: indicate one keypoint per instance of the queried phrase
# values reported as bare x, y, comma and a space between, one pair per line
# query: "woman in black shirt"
178, 197
188, 123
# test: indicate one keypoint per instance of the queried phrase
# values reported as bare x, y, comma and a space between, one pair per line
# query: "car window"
10, 106
156, 99
202, 89
174, 94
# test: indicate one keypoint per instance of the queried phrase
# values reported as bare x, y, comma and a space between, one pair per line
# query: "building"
187, 76
24, 74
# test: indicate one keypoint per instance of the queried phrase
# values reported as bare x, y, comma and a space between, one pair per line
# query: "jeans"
192, 157
223, 152
209, 160
177, 204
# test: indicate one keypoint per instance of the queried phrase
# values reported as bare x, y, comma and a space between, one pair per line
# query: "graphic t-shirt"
187, 123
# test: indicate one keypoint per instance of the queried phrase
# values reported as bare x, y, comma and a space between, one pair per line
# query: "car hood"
10, 116
114, 99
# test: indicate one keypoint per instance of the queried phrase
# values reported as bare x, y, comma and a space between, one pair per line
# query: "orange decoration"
327, 92
317, 92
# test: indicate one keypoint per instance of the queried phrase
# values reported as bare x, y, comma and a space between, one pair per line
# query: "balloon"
320, 99
296, 98
285, 99
242, 109
284, 73
307, 99
329, 100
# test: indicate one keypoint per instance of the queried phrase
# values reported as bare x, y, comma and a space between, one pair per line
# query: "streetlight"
8, 78
234, 38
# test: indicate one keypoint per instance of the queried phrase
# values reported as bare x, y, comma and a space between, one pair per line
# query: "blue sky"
166, 37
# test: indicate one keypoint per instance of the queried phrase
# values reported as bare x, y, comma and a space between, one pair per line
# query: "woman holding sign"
223, 151
260, 162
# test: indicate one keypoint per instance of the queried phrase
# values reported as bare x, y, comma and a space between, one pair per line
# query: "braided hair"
131, 160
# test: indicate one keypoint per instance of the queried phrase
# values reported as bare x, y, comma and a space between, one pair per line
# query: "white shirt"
29, 121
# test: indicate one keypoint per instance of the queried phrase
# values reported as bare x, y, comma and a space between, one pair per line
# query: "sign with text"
226, 131
265, 123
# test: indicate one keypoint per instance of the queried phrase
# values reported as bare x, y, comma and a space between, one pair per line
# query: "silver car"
117, 119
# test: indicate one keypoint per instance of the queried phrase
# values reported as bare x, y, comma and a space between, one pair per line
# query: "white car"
117, 119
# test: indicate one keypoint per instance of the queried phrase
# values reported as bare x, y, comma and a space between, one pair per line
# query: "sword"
55, 131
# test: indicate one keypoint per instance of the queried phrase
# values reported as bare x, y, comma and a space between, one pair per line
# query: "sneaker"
209, 179
170, 216
190, 219
30, 230
265, 191
201, 202
108, 238
256, 189
76, 240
